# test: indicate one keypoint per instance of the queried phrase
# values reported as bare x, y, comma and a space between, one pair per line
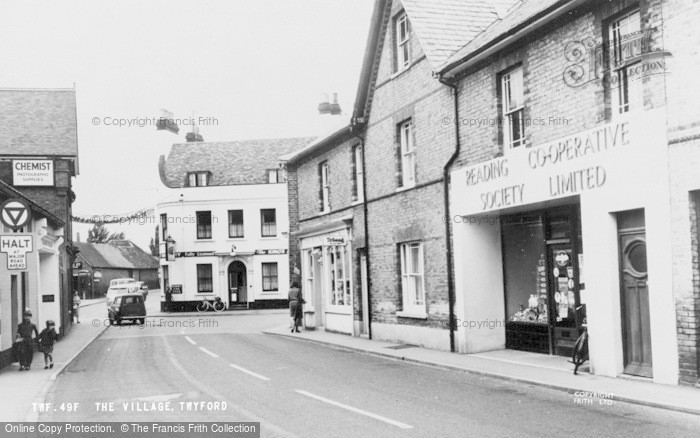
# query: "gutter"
509, 37
448, 223
366, 225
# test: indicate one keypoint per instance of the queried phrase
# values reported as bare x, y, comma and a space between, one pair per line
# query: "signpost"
16, 247
15, 213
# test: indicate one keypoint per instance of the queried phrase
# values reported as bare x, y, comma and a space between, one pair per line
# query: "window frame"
407, 151
625, 91
202, 228
402, 47
325, 187
230, 224
274, 276
200, 283
518, 111
273, 225
358, 194
409, 305
338, 274
163, 227
197, 179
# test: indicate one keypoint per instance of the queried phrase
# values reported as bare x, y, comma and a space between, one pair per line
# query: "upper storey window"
625, 38
513, 103
403, 47
198, 179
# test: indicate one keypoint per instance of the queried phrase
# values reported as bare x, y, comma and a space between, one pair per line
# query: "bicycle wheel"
219, 306
202, 306
580, 354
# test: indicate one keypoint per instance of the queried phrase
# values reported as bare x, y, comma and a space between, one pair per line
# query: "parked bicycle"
580, 354
216, 304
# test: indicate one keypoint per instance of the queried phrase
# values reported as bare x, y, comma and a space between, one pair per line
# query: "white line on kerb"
356, 410
191, 341
208, 352
259, 376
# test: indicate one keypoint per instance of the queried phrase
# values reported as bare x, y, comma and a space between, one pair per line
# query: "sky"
247, 68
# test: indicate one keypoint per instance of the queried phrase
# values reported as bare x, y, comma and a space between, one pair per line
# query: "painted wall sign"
597, 160
15, 213
32, 172
16, 247
47, 298
176, 289
269, 251
195, 254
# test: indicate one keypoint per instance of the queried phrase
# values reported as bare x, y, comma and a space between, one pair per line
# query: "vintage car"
119, 289
129, 306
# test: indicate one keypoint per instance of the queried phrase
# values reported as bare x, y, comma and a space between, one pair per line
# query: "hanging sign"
15, 213
16, 247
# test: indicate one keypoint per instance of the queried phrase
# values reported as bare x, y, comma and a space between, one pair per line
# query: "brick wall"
396, 217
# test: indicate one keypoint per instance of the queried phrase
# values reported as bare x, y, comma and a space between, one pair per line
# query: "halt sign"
16, 247
15, 213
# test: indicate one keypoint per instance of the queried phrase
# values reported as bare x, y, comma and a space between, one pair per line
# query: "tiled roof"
38, 122
230, 163
517, 15
115, 254
445, 26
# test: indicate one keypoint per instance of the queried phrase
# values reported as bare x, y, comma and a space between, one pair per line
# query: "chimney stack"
194, 136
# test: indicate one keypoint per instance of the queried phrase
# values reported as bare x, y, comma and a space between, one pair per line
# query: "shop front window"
338, 274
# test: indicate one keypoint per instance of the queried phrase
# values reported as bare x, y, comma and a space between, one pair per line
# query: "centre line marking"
259, 376
191, 341
356, 410
208, 352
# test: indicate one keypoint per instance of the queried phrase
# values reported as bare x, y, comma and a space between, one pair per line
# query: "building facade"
29, 270
327, 240
224, 225
574, 186
39, 157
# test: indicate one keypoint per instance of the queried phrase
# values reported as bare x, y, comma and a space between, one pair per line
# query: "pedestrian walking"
76, 306
25, 329
47, 337
295, 305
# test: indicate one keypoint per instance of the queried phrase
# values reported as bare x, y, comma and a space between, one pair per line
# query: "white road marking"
259, 376
158, 398
191, 341
208, 352
356, 410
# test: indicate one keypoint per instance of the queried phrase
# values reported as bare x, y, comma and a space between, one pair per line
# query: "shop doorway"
237, 284
634, 294
319, 280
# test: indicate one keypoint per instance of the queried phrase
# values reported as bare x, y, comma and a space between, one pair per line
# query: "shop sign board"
334, 241
33, 173
16, 247
269, 251
194, 254
596, 160
176, 289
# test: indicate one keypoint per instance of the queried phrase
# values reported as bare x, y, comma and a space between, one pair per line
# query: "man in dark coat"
295, 305
26, 347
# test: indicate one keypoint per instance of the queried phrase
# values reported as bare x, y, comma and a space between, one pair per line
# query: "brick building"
577, 138
39, 157
327, 241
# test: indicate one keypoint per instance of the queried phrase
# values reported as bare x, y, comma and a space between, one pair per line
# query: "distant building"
224, 226
32, 282
39, 158
98, 263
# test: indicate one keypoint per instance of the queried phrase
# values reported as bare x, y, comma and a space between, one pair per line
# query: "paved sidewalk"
678, 398
21, 389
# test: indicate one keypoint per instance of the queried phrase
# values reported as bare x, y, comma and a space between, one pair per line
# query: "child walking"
46, 339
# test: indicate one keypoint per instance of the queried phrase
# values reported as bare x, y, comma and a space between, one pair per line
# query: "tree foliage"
100, 234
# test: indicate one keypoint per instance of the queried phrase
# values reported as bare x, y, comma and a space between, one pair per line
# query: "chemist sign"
32, 173
16, 246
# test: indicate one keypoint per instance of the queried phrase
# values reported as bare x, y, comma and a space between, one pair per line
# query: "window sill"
269, 237
235, 239
405, 188
204, 241
415, 314
339, 310
357, 202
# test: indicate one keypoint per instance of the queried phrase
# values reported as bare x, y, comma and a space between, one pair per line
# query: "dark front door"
634, 294
237, 287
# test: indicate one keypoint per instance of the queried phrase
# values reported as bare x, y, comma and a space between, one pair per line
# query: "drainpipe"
366, 225
448, 221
